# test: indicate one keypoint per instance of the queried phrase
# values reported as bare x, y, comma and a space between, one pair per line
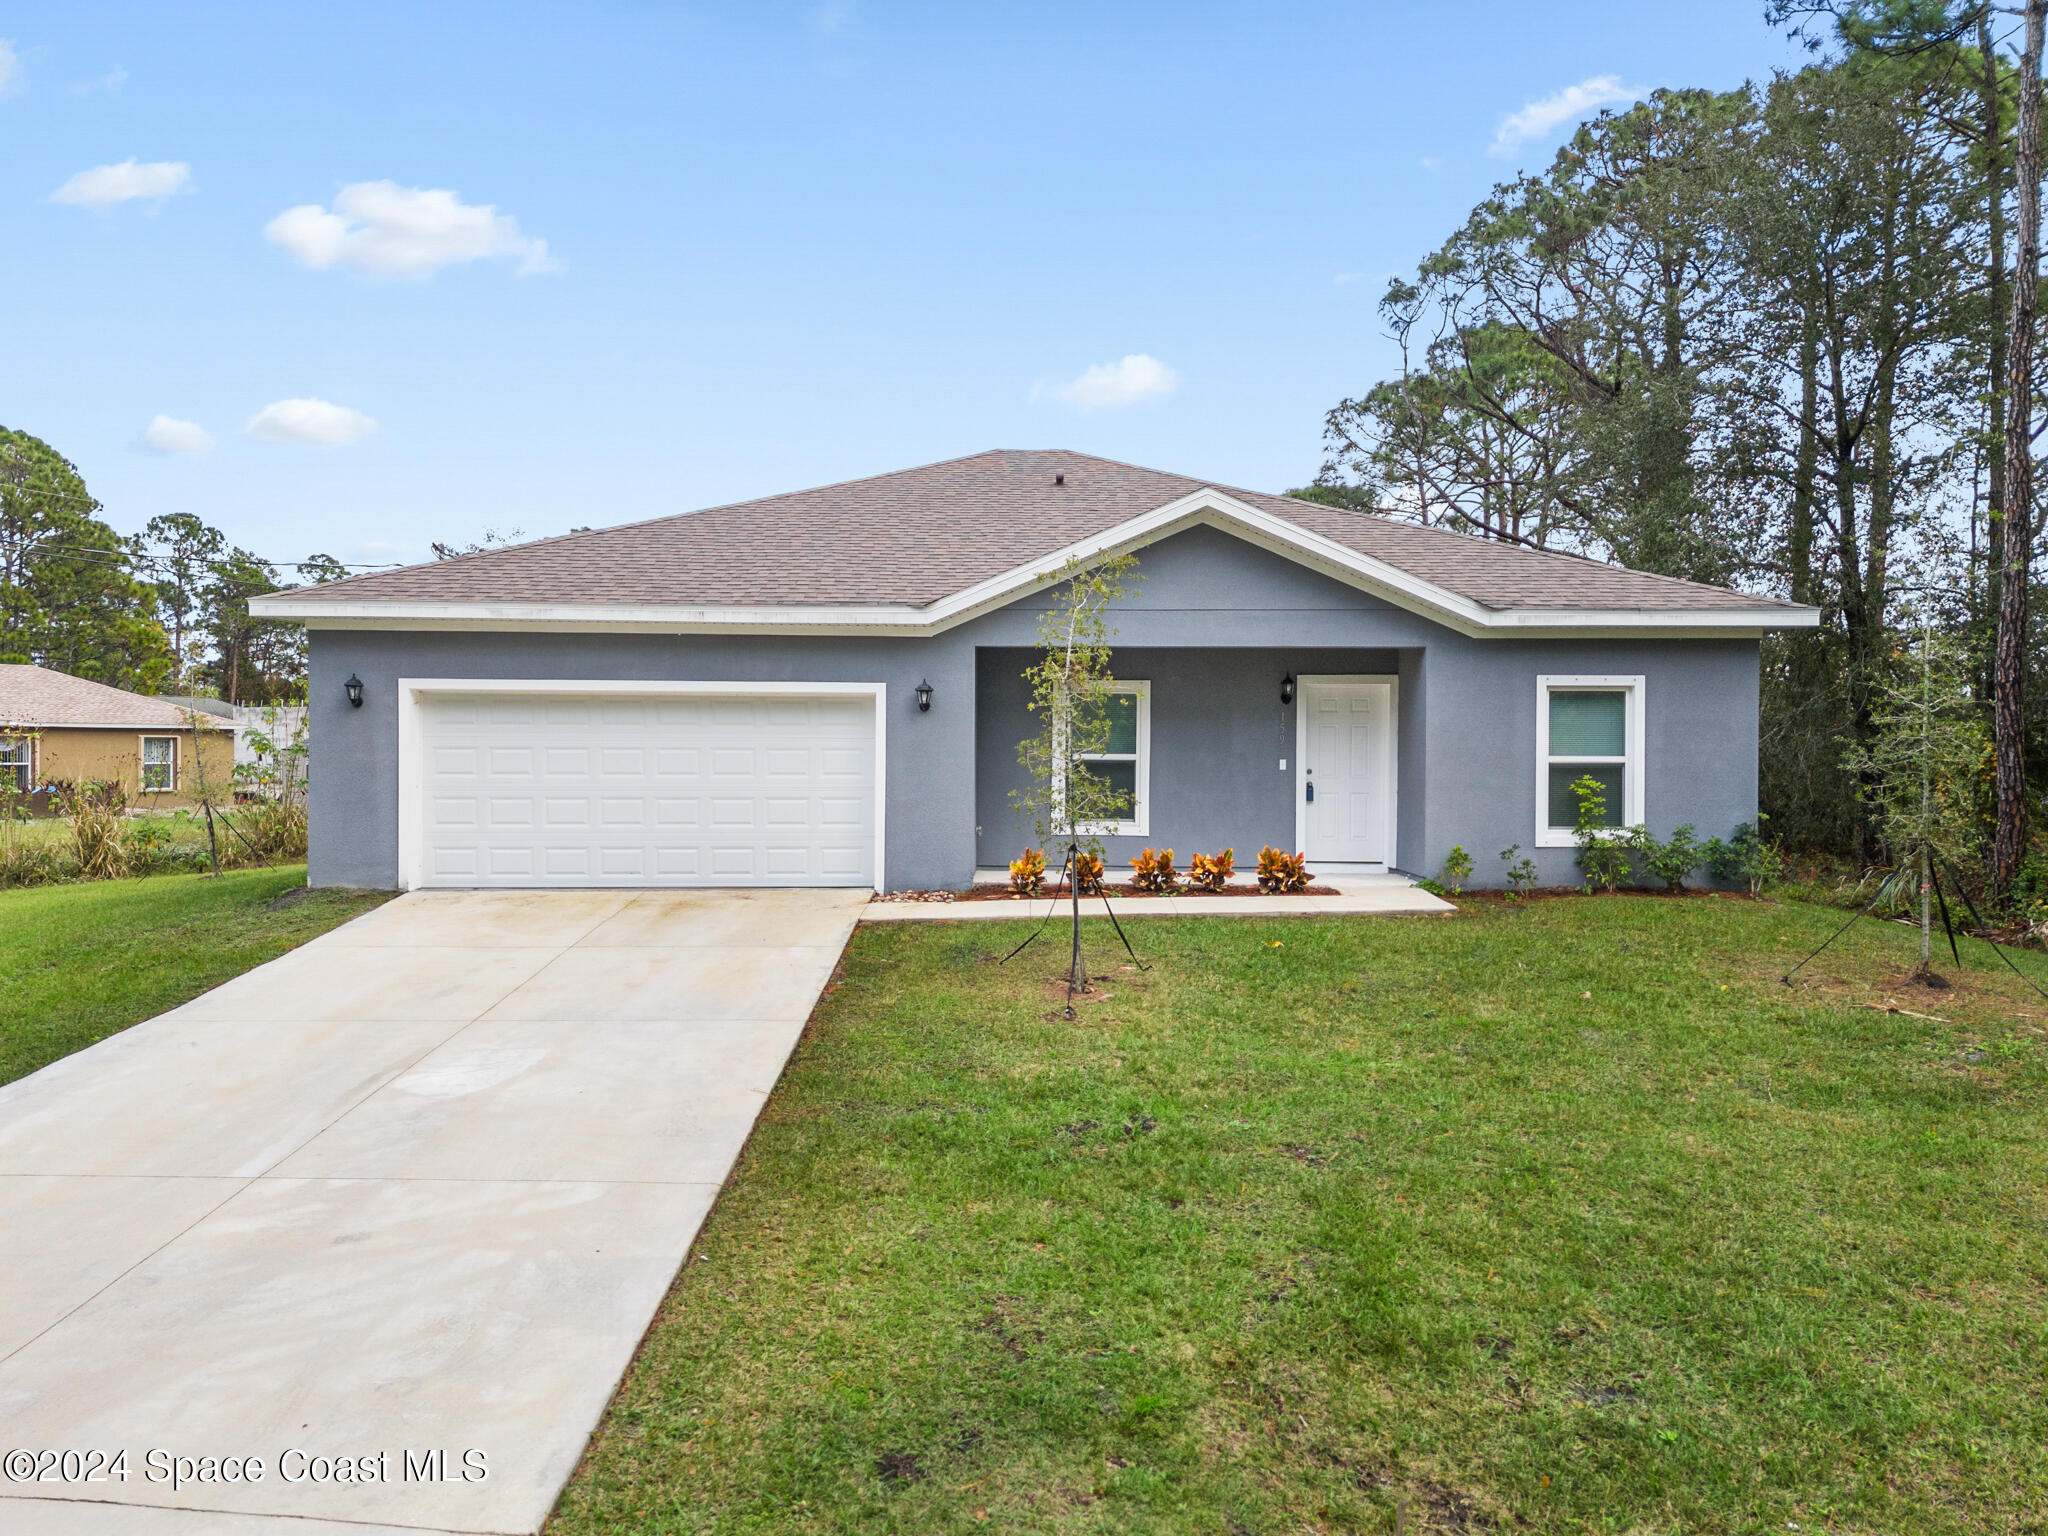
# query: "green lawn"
1318, 1217
80, 962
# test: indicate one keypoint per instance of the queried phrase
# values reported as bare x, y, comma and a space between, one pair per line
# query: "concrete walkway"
408, 1197
1355, 894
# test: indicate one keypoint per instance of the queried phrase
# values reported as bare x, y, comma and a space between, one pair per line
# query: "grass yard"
80, 962
1554, 1217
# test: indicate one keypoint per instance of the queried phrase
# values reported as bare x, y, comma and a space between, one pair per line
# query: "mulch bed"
1124, 891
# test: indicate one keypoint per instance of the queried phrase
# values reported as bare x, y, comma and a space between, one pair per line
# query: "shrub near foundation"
1027, 872
1212, 872
1282, 873
1152, 871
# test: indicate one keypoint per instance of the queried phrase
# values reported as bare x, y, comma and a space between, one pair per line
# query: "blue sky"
742, 248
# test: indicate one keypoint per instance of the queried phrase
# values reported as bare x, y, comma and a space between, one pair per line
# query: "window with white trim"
1587, 727
14, 763
159, 763
1125, 762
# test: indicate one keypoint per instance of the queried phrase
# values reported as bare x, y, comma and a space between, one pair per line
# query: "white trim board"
1208, 508
1393, 683
412, 693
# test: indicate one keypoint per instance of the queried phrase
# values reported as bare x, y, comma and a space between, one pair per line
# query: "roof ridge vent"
1060, 478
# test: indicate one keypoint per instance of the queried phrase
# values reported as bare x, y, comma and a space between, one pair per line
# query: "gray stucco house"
824, 688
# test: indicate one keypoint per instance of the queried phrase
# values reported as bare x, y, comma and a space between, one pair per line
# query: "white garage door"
603, 789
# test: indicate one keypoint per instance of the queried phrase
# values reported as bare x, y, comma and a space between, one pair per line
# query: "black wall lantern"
354, 685
1287, 689
924, 698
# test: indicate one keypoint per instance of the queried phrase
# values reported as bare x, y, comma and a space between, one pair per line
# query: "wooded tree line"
166, 611
1779, 337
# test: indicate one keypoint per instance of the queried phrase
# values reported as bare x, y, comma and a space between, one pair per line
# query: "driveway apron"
386, 1218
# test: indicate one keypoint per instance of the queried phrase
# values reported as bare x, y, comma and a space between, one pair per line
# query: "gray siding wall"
1215, 625
354, 785
1479, 750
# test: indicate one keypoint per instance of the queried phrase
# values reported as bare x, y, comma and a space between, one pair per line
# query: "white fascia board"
1208, 507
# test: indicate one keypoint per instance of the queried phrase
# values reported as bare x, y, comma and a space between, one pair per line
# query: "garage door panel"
637, 790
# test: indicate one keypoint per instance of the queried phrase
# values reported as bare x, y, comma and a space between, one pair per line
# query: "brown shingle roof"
920, 535
36, 696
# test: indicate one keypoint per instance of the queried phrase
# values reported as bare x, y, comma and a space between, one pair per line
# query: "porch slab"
1356, 894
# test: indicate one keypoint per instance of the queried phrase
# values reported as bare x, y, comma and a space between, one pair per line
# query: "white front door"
1347, 780
579, 789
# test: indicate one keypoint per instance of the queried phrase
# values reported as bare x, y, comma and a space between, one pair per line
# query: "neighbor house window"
159, 762
14, 764
1125, 760
1587, 728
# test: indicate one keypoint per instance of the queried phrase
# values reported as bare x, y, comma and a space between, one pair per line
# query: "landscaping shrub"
1745, 858
92, 809
1670, 860
1521, 869
1213, 872
1457, 868
1027, 872
1282, 873
1603, 849
273, 831
30, 860
1088, 873
1153, 871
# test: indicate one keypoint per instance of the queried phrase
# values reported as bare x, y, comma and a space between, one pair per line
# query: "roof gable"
920, 549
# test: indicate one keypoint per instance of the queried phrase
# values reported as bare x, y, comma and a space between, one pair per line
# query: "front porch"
1300, 748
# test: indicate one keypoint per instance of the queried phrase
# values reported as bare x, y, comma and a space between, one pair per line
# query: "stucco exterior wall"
1219, 736
77, 753
1215, 625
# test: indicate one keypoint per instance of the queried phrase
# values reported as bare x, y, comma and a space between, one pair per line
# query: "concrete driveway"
386, 1217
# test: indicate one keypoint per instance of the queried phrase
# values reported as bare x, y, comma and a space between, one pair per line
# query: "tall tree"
176, 553
67, 598
2009, 653
1564, 355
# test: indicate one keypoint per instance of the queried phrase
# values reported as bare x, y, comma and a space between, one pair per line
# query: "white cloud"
167, 434
380, 229
1540, 119
1137, 377
111, 82
320, 422
1343, 279
105, 185
11, 76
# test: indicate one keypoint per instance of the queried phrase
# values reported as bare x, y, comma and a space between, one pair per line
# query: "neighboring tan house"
826, 688
58, 729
